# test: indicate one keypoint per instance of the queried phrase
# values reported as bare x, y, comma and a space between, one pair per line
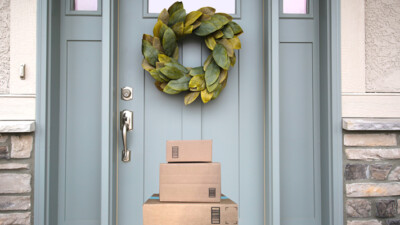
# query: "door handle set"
126, 118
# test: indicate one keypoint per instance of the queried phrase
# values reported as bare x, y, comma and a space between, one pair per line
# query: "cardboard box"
190, 182
156, 212
189, 151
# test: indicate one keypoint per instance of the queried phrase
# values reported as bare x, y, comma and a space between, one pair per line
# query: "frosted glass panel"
85, 5
226, 6
295, 6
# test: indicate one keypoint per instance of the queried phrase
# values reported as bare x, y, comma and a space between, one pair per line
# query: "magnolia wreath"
161, 52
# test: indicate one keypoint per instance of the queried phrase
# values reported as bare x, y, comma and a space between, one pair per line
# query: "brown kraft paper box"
189, 151
173, 213
190, 182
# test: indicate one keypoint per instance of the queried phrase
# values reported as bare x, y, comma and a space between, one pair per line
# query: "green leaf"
205, 17
206, 96
215, 23
220, 56
147, 66
169, 42
164, 16
233, 59
156, 29
162, 76
235, 42
224, 83
176, 17
149, 52
178, 66
210, 42
160, 85
175, 7
178, 29
228, 46
196, 25
175, 56
148, 38
192, 17
172, 72
181, 84
167, 89
218, 34
207, 62
222, 76
196, 71
228, 32
156, 75
205, 28
219, 20
235, 28
207, 10
229, 17
159, 65
197, 83
212, 87
212, 73
217, 91
157, 44
159, 31
166, 59
188, 30
191, 97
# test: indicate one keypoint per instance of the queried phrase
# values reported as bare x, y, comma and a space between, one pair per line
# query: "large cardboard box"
156, 212
189, 151
190, 182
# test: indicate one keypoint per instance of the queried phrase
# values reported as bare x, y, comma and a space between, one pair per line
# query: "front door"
234, 121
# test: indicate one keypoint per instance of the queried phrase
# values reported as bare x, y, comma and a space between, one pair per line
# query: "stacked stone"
372, 171
16, 144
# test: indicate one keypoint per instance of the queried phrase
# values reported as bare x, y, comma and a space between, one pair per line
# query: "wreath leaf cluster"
161, 52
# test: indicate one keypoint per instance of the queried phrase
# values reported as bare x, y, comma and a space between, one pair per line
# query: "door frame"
47, 108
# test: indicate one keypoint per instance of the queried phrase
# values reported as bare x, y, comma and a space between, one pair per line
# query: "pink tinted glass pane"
226, 6
295, 6
85, 5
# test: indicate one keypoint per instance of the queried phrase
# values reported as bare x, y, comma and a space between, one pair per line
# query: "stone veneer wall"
16, 172
371, 171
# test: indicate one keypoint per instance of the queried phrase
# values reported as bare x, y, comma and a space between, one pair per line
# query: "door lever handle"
126, 125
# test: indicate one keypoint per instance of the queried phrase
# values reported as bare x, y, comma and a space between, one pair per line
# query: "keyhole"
126, 93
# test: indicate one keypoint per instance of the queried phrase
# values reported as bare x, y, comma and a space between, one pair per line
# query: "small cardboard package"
173, 213
190, 182
189, 151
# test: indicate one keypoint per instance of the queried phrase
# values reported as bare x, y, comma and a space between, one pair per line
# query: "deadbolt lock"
126, 93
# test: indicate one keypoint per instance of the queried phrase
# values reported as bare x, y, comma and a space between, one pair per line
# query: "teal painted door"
234, 121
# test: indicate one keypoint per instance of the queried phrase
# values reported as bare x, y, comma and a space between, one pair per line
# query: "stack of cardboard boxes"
190, 189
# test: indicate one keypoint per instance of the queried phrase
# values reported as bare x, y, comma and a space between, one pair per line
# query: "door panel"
234, 121
297, 150
299, 119
79, 167
82, 145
